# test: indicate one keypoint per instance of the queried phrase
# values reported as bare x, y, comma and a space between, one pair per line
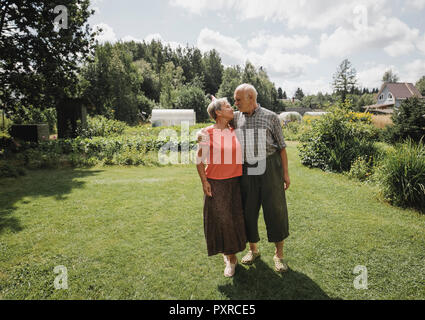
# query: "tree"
284, 95
38, 64
150, 86
232, 78
299, 94
189, 97
344, 80
390, 76
171, 78
213, 71
279, 93
420, 85
409, 121
112, 82
366, 99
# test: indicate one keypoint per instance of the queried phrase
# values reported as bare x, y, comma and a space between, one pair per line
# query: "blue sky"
299, 42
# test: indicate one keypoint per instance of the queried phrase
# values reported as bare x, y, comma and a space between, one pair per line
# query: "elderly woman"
220, 168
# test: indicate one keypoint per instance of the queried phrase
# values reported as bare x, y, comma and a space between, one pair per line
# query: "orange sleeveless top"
223, 153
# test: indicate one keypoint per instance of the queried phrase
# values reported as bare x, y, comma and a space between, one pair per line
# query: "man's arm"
280, 140
284, 157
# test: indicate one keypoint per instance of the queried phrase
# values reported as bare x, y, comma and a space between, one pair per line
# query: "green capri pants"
266, 190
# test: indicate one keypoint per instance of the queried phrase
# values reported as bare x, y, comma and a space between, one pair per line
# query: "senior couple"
243, 166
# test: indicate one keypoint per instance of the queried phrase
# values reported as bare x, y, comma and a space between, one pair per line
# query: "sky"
300, 43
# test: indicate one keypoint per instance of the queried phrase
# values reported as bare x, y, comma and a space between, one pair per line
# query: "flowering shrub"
336, 139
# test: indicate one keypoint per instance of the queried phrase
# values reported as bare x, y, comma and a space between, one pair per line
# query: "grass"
137, 233
381, 121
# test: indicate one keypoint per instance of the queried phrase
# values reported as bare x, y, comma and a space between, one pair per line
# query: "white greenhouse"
315, 114
292, 116
172, 117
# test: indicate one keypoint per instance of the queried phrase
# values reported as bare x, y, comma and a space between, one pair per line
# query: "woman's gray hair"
215, 106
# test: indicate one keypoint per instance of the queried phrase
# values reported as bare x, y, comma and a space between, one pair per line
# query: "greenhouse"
292, 116
315, 114
172, 117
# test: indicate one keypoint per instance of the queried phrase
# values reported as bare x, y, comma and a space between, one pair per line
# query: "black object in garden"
71, 113
30, 132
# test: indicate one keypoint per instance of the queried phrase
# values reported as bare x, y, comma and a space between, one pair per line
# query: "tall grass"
381, 121
402, 175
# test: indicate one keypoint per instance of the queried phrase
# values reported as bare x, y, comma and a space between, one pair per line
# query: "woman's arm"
201, 171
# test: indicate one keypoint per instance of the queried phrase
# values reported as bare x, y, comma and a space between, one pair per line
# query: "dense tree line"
127, 80
40, 65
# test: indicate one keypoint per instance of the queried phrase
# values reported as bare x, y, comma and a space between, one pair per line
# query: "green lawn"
137, 233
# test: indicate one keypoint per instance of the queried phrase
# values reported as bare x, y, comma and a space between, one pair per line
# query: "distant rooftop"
401, 90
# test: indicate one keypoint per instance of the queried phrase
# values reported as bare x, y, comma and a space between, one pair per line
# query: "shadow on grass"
40, 183
260, 282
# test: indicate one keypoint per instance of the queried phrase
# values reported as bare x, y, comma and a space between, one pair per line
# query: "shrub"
409, 121
361, 169
8, 170
6, 140
100, 126
336, 139
401, 175
30, 115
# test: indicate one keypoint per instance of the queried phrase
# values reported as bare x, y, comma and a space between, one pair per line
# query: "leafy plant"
409, 121
336, 139
402, 175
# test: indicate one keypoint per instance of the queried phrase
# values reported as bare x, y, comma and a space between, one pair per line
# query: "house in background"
391, 96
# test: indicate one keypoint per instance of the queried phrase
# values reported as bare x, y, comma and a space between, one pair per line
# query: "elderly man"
265, 173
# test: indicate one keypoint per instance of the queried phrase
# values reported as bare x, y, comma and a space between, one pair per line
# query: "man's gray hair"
214, 106
247, 89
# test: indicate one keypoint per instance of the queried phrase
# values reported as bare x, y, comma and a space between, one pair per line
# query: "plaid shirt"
260, 134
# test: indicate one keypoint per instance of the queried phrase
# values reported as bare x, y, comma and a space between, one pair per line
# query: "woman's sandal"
229, 271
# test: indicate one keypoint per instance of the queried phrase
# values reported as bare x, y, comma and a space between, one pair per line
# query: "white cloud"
275, 61
296, 13
371, 75
107, 34
290, 65
131, 38
421, 44
158, 37
279, 42
226, 46
416, 4
413, 71
394, 36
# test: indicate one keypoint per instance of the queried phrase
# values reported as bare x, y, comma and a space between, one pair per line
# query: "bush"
401, 175
32, 115
6, 140
8, 170
99, 126
361, 169
336, 139
409, 121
